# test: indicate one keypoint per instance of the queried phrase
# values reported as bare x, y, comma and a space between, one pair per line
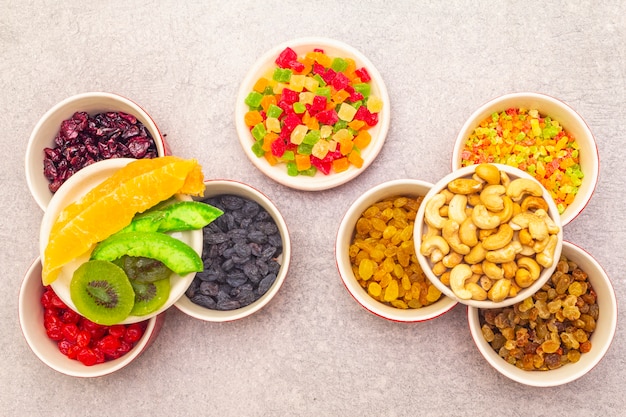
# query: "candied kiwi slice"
149, 296
101, 291
143, 269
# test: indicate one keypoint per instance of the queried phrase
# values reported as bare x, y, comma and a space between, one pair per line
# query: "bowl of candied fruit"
540, 135
375, 254
558, 334
246, 255
312, 113
72, 344
83, 129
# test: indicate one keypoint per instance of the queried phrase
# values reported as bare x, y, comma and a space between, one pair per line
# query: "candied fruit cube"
346, 112
374, 104
298, 133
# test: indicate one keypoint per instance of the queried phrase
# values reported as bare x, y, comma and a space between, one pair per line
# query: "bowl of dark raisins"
70, 343
558, 334
246, 255
83, 129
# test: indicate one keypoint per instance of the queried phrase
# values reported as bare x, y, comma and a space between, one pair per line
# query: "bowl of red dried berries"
83, 129
558, 334
375, 254
312, 113
246, 255
71, 344
540, 135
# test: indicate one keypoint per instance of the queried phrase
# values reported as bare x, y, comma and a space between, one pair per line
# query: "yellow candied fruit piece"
296, 82
298, 133
278, 88
320, 149
374, 289
311, 84
272, 124
306, 97
374, 104
346, 112
366, 269
326, 131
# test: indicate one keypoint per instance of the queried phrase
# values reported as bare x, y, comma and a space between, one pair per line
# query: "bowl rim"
346, 228
186, 306
488, 107
532, 378
320, 181
33, 277
425, 263
34, 174
95, 173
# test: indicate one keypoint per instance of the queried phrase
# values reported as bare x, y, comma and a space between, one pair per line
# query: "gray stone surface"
313, 351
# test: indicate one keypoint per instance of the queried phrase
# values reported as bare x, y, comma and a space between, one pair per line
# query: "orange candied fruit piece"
260, 84
267, 141
267, 100
271, 159
362, 139
340, 164
252, 118
355, 159
356, 124
303, 162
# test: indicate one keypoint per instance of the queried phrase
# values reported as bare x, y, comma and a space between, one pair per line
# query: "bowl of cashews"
488, 235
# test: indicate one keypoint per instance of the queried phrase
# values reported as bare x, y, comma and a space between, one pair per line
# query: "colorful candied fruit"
532, 142
312, 113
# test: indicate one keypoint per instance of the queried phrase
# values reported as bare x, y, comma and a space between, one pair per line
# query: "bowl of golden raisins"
375, 254
558, 334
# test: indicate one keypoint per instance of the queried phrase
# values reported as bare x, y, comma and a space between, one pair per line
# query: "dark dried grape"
240, 250
84, 139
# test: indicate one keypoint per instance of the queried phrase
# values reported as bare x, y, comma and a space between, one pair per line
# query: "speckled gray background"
313, 351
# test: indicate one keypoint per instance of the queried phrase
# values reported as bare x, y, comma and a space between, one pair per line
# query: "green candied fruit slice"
175, 254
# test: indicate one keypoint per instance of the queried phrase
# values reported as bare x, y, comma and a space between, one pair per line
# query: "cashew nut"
477, 268
499, 290
520, 187
467, 232
525, 238
507, 212
473, 199
491, 197
485, 282
483, 218
435, 247
540, 245
458, 275
478, 293
530, 265
504, 179
506, 254
499, 239
538, 229
534, 203
509, 268
431, 211
476, 255
452, 259
431, 231
465, 186
546, 257
522, 220
449, 194
456, 208
445, 278
439, 268
450, 233
491, 270
488, 172
552, 227
528, 250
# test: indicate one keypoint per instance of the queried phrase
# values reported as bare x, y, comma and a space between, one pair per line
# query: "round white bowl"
48, 126
73, 189
426, 264
279, 172
230, 187
571, 121
600, 339
345, 234
46, 349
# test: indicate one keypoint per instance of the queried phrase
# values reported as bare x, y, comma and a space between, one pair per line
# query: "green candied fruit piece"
323, 91
274, 111
305, 149
288, 156
258, 131
292, 169
254, 99
299, 108
282, 75
309, 172
312, 137
341, 124
363, 88
550, 131
257, 148
320, 80
339, 64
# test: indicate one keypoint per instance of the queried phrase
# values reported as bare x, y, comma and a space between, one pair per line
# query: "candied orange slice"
111, 205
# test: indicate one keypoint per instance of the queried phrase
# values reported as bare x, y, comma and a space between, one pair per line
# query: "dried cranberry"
83, 140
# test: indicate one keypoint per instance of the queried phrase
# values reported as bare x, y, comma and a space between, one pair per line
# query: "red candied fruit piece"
340, 82
319, 104
289, 59
327, 117
278, 147
290, 122
365, 115
363, 75
289, 96
322, 166
511, 111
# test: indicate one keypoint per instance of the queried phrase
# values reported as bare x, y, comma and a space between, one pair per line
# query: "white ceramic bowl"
230, 187
600, 339
32, 323
73, 189
571, 121
48, 126
278, 172
420, 228
345, 234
